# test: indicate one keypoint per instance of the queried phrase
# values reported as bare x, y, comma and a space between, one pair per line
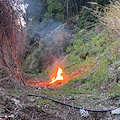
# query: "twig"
6, 78
13, 63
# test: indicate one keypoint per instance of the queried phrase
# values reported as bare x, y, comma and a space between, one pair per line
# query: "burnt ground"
15, 104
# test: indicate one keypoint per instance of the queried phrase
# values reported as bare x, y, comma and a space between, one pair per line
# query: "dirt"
16, 105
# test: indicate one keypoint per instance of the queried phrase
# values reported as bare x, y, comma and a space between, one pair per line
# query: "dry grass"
112, 17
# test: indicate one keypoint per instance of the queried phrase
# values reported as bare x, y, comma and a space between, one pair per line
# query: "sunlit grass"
112, 16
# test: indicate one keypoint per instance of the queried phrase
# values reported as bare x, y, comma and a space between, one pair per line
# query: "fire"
59, 76
59, 79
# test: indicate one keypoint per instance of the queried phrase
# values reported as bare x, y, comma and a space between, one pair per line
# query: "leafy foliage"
98, 50
84, 48
64, 9
92, 46
55, 10
87, 19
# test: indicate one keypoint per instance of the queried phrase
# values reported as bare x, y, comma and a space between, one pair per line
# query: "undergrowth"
98, 51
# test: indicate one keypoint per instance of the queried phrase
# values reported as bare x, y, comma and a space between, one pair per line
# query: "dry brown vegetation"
112, 17
12, 39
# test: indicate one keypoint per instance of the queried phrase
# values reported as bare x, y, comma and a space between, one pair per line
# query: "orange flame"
59, 76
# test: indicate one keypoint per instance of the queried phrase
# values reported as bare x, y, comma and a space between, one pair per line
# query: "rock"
84, 113
17, 102
31, 99
118, 104
39, 88
71, 98
116, 111
11, 116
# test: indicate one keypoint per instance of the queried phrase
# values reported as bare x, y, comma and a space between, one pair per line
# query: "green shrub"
87, 19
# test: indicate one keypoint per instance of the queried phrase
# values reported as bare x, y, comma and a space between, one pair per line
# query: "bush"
87, 19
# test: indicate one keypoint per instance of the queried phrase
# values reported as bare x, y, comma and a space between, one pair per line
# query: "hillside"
68, 68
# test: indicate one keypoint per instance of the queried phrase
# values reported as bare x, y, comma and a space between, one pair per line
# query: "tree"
55, 10
11, 38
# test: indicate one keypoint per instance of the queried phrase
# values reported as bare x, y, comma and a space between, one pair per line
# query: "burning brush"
59, 76
59, 79
55, 81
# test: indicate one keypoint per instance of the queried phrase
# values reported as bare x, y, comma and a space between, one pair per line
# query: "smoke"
51, 37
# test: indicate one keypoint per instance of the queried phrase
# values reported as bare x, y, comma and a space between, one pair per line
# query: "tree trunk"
76, 6
67, 9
